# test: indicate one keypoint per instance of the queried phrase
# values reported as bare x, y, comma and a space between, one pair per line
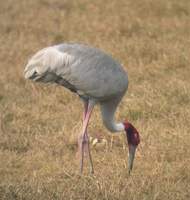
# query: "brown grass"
38, 123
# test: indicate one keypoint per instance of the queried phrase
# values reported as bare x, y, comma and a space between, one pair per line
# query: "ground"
39, 123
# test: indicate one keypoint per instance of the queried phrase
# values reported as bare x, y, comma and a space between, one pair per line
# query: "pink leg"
83, 138
85, 109
86, 148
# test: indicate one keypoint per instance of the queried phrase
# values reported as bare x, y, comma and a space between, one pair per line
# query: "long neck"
108, 111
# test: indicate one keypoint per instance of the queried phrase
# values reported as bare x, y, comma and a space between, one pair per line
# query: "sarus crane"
96, 78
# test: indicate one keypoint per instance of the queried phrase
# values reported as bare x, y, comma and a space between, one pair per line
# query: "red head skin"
133, 137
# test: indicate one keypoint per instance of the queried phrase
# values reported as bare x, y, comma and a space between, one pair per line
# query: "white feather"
47, 60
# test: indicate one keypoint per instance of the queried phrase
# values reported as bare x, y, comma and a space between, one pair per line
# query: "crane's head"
133, 140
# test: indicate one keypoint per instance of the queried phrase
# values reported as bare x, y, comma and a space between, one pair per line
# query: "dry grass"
38, 123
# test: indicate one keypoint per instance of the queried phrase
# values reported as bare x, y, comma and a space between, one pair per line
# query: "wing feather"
80, 68
47, 64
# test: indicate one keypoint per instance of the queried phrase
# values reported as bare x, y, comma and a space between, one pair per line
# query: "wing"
48, 60
47, 65
95, 73
82, 69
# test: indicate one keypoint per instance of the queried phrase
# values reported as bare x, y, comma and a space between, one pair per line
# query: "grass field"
39, 123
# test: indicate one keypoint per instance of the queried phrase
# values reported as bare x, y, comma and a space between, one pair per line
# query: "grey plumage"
83, 69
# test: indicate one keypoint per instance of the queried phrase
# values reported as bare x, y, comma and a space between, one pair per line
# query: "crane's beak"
132, 150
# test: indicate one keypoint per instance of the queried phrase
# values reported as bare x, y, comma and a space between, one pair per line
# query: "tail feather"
35, 67
47, 64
